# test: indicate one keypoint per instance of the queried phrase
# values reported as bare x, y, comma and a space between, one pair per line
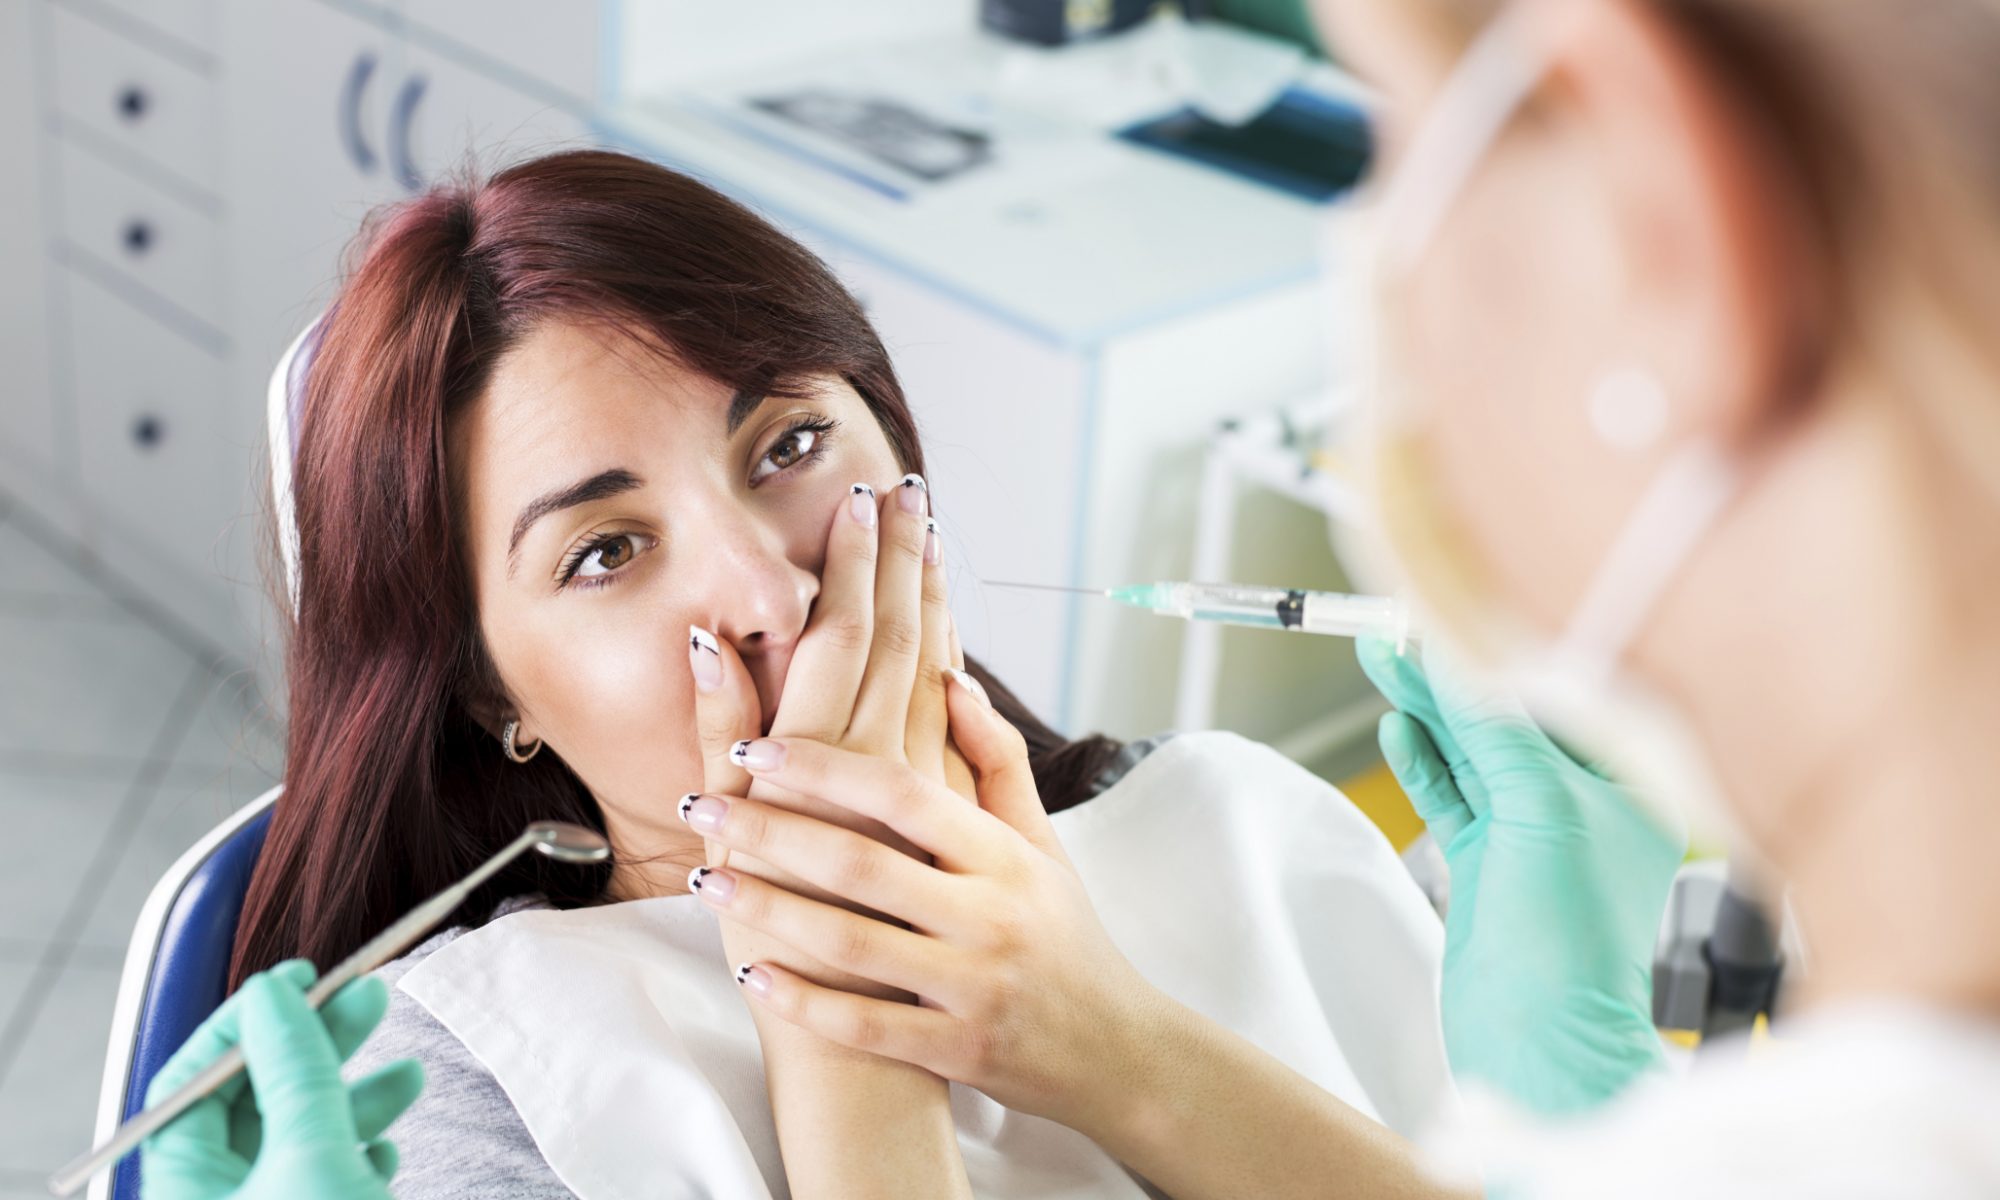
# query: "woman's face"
610, 499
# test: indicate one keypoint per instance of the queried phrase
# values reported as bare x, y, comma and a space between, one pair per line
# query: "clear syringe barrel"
1336, 613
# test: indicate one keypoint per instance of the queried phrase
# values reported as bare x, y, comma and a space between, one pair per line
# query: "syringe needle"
1047, 587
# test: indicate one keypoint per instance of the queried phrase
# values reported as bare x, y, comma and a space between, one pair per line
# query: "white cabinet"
33, 445
151, 99
123, 340
545, 48
159, 240
184, 178
458, 117
334, 113
155, 455
313, 92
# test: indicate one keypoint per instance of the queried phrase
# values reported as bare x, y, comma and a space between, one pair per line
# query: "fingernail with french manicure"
755, 978
861, 505
705, 658
704, 813
966, 681
933, 548
712, 883
913, 494
761, 754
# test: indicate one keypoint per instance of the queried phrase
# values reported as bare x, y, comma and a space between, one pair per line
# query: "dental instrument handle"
412, 926
379, 949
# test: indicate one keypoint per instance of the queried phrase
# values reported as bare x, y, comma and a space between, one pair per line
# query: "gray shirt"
463, 1136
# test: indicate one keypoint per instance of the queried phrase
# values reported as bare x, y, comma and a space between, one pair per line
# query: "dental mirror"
569, 843
559, 840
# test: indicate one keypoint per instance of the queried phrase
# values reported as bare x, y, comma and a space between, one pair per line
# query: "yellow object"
1760, 1036
1686, 1039
1378, 796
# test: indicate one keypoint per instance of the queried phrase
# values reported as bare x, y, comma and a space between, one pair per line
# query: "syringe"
1338, 613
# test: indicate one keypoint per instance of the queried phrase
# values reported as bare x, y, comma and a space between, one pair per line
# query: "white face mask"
1573, 682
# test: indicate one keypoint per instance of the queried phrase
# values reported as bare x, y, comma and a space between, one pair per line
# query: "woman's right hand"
866, 676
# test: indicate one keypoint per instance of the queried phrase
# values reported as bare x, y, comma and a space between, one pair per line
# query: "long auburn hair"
392, 789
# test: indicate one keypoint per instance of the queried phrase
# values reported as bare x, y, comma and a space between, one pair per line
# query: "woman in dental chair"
600, 478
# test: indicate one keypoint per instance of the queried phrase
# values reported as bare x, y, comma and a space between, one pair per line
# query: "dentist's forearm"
1206, 1114
855, 1125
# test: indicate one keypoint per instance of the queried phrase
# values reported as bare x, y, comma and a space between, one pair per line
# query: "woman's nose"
756, 592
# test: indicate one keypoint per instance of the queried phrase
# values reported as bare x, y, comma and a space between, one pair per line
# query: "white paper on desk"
1232, 74
1227, 74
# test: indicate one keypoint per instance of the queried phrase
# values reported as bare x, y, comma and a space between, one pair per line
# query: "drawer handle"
138, 237
132, 103
358, 76
399, 132
148, 431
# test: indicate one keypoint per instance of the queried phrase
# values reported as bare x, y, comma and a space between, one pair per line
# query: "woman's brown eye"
609, 556
786, 453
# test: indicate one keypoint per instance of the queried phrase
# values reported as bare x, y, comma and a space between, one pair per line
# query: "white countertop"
1067, 232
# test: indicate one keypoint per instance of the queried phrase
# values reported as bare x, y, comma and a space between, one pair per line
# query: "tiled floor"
121, 742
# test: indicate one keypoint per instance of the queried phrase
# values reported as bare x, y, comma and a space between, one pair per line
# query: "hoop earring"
507, 744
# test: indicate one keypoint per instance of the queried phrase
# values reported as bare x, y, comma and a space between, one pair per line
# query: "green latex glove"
291, 1128
1559, 880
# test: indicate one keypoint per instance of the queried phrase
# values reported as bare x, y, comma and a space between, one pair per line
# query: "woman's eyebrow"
600, 486
741, 405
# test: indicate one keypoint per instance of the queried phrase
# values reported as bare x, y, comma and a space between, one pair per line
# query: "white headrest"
284, 404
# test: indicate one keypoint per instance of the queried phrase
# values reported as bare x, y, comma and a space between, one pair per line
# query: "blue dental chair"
176, 969
177, 963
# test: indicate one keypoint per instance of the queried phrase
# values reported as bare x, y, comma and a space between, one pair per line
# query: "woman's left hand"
1024, 995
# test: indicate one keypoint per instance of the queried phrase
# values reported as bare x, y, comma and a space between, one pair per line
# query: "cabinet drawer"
154, 454
141, 100
161, 242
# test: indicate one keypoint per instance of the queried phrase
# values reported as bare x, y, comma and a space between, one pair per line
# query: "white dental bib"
1237, 882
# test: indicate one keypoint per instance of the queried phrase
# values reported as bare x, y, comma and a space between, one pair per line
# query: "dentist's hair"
393, 790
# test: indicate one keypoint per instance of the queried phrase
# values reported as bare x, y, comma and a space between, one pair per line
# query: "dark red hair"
392, 789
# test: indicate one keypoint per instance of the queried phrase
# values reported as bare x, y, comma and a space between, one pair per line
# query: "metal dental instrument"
557, 839
1337, 613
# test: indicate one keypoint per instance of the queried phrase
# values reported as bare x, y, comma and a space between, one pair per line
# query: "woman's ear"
492, 713
1711, 230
